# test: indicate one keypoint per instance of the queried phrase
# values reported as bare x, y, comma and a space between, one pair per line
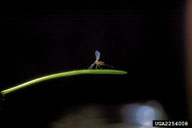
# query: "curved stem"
63, 74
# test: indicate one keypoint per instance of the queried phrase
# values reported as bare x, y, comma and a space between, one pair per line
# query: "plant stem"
63, 74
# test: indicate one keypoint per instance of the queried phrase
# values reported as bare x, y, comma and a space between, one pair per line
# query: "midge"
97, 62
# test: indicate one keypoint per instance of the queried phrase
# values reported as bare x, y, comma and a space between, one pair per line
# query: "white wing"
97, 55
91, 66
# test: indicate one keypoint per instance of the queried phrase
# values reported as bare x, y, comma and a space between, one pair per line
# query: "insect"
98, 63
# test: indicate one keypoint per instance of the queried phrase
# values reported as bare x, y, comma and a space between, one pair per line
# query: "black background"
145, 39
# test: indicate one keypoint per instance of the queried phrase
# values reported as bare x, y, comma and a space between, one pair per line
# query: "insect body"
97, 62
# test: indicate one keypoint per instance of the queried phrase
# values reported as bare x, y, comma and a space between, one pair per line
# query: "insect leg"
96, 66
108, 65
99, 67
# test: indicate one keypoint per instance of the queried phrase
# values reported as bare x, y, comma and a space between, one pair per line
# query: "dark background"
145, 39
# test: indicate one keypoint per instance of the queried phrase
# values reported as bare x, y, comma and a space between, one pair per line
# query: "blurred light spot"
145, 115
142, 114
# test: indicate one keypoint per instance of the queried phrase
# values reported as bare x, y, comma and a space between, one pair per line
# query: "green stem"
63, 74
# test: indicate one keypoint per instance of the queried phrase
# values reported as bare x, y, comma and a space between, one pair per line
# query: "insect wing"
97, 55
91, 66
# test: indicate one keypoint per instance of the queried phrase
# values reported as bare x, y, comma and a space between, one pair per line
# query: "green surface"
63, 74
